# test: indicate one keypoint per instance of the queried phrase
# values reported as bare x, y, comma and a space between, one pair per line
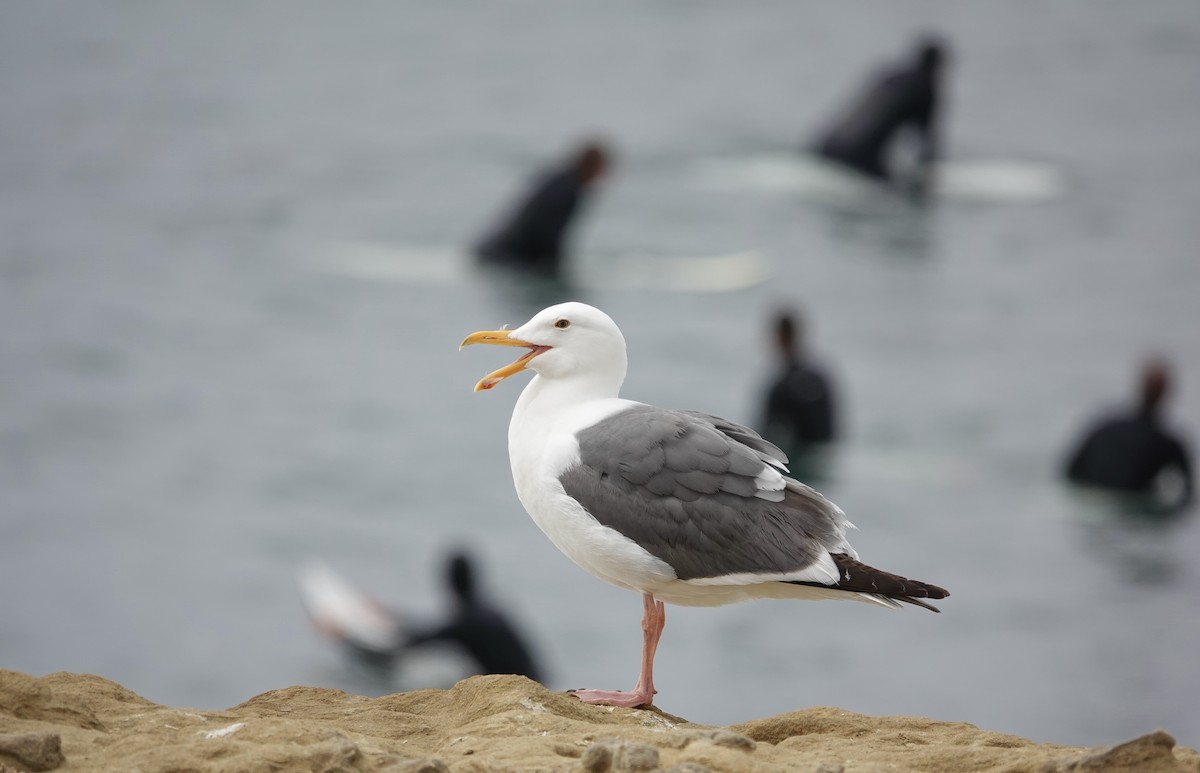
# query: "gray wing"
685, 487
766, 450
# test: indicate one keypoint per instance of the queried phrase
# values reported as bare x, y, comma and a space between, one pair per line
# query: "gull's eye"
563, 323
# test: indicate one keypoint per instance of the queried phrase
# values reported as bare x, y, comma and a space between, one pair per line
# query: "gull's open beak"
502, 338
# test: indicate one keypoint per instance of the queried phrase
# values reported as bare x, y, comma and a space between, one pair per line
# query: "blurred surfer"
1132, 450
481, 630
904, 96
799, 408
532, 236
378, 637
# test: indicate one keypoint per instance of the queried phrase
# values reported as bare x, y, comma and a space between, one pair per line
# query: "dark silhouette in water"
905, 96
478, 629
533, 234
799, 408
1131, 451
481, 630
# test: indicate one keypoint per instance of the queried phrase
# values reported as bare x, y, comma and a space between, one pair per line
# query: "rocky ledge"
77, 722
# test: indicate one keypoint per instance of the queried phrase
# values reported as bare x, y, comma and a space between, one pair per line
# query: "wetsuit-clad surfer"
1131, 450
906, 96
482, 632
532, 236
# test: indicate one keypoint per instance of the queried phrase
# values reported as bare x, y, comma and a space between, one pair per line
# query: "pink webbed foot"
625, 699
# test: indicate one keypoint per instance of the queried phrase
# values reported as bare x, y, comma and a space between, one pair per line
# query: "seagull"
679, 506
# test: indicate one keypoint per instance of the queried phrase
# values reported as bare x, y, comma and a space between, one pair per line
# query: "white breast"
541, 445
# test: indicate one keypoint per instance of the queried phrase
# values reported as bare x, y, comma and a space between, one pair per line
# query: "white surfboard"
343, 613
439, 265
694, 274
997, 181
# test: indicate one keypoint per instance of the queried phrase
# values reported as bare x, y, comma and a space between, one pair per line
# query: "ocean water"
201, 386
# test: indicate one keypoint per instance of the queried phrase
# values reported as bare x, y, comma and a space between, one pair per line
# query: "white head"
567, 341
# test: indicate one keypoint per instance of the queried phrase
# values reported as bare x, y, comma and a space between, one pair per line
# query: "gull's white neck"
553, 396
546, 417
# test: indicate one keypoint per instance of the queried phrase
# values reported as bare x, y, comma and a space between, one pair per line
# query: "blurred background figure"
903, 96
378, 638
1131, 451
533, 234
480, 629
799, 407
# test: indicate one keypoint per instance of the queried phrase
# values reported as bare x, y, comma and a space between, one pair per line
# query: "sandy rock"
687, 767
431, 765
620, 757
34, 751
598, 758
1149, 753
507, 723
30, 698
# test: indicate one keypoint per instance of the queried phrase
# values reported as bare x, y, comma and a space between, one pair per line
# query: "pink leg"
654, 619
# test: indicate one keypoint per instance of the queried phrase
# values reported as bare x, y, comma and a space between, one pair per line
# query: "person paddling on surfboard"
905, 96
532, 236
481, 630
378, 637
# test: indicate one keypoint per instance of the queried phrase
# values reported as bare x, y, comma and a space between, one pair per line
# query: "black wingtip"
857, 577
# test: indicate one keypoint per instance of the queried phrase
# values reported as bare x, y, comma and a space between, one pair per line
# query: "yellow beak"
502, 338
